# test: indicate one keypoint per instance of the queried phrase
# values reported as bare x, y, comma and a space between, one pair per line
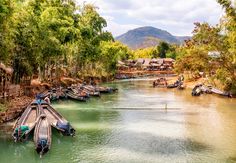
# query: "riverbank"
14, 108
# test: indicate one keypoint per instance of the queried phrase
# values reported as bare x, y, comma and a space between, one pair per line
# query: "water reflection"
134, 126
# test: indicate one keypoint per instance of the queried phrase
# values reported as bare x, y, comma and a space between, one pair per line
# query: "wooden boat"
206, 89
55, 94
172, 85
160, 82
178, 84
57, 120
105, 89
79, 92
181, 86
71, 95
197, 90
42, 134
91, 91
26, 123
221, 93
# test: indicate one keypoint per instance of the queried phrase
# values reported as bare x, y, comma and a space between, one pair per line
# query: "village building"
155, 64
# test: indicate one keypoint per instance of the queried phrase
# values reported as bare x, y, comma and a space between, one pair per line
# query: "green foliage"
2, 108
46, 35
145, 53
193, 56
6, 10
172, 52
105, 65
111, 52
195, 60
162, 48
38, 36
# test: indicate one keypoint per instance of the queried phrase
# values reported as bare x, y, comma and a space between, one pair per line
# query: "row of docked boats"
162, 82
37, 119
79, 92
200, 89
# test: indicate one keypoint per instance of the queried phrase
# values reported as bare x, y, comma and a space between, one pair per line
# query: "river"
139, 124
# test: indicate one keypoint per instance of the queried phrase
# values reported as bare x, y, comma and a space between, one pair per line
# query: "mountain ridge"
148, 36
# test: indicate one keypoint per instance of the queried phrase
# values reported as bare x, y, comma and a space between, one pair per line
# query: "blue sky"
175, 16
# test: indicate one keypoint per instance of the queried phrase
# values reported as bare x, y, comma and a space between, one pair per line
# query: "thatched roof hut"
160, 61
169, 60
146, 62
154, 60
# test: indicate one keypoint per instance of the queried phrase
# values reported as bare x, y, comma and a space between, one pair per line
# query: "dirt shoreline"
15, 108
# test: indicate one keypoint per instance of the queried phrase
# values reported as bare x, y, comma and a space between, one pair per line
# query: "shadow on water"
174, 122
151, 144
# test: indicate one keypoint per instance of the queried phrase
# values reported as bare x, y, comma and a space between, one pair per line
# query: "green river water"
134, 126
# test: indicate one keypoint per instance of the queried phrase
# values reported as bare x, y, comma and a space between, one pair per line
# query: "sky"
174, 16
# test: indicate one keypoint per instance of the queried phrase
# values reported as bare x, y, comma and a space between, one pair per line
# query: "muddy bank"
15, 108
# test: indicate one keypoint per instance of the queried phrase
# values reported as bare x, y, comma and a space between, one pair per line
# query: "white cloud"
118, 29
175, 16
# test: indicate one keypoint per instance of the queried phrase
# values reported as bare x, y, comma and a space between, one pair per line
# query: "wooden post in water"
165, 106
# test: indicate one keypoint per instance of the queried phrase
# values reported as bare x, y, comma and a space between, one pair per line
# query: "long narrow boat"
26, 122
221, 93
71, 95
91, 91
105, 89
79, 92
42, 134
57, 120
172, 85
54, 94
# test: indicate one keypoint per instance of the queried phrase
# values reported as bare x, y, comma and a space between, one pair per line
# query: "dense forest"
38, 37
41, 36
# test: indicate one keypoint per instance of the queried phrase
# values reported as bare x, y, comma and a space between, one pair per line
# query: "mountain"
148, 36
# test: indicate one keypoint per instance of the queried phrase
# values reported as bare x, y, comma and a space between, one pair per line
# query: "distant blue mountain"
148, 36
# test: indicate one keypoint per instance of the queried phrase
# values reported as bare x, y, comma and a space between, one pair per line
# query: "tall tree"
162, 48
6, 10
